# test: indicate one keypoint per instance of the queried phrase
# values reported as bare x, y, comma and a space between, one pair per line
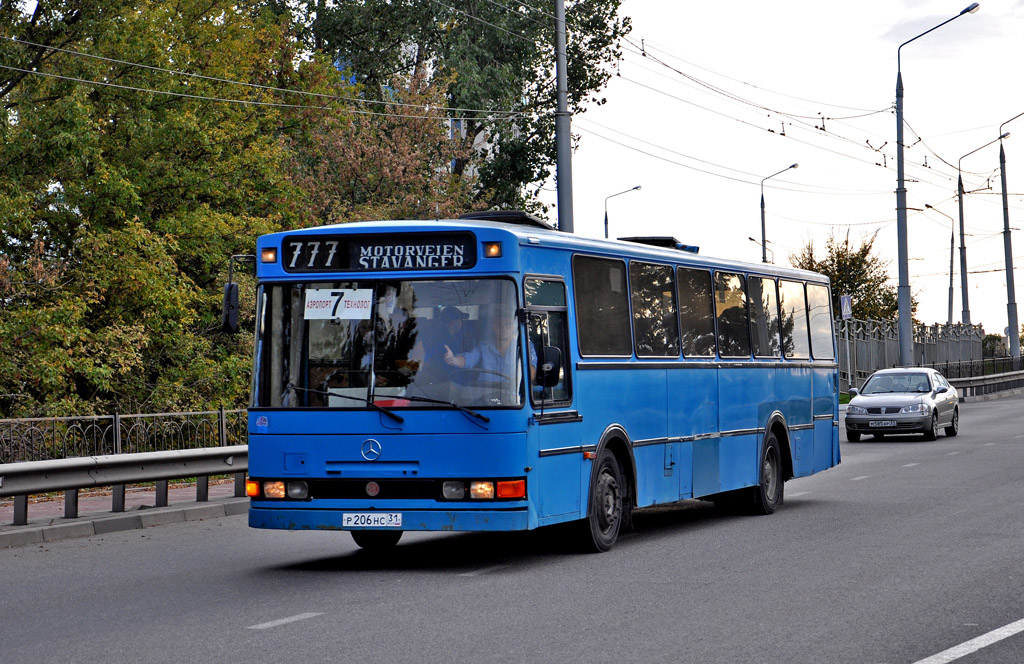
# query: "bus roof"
542, 235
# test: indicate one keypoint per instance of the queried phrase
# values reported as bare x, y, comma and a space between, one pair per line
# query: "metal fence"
866, 346
43, 439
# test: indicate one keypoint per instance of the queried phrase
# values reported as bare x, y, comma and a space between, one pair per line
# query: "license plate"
372, 519
882, 423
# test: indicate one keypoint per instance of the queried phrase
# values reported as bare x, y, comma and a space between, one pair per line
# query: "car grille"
886, 410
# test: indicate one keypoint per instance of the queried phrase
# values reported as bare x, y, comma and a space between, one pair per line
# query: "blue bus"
492, 373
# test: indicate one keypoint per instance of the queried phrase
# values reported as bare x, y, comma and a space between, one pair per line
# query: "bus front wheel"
768, 492
604, 506
376, 540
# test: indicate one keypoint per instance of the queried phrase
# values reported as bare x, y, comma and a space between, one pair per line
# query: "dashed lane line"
284, 621
911, 465
975, 644
857, 479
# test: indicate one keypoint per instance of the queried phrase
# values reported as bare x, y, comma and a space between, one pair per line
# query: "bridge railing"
44, 455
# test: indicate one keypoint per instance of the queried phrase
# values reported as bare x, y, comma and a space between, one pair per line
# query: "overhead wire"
247, 102
228, 81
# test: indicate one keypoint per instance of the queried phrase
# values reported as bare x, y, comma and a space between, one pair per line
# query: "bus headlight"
273, 490
481, 490
453, 490
298, 490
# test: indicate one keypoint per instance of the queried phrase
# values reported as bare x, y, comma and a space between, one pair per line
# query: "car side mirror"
550, 368
854, 391
941, 389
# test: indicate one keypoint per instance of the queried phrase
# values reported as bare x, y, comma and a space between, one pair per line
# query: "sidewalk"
46, 522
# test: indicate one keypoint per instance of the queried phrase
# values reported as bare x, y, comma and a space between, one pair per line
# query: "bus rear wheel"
768, 492
376, 540
604, 506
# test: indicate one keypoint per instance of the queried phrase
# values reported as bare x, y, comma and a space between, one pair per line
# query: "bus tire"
769, 490
604, 505
376, 540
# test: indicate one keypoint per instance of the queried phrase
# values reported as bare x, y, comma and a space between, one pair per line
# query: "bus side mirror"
229, 309
550, 368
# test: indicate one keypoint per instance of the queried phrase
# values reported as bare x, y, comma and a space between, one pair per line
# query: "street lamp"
952, 234
966, 316
905, 322
1011, 300
762, 248
606, 207
764, 242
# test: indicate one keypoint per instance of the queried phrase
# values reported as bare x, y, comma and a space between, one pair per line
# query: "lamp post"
1011, 299
764, 241
966, 316
762, 247
952, 235
606, 207
905, 322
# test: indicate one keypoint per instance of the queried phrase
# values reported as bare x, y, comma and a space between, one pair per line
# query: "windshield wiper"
454, 405
395, 416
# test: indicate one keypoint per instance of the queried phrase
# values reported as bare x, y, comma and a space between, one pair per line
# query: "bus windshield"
391, 344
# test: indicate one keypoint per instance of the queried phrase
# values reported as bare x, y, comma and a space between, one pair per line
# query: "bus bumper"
427, 520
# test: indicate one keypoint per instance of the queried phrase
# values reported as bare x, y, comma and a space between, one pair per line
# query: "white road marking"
862, 477
486, 570
974, 645
798, 493
911, 465
988, 444
284, 621
952, 453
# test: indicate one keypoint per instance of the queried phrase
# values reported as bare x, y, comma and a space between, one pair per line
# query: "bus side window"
819, 305
549, 327
764, 316
731, 310
795, 339
697, 313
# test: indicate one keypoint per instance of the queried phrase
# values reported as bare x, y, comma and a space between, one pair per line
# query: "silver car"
899, 401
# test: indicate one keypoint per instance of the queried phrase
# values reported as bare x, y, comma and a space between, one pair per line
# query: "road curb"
56, 529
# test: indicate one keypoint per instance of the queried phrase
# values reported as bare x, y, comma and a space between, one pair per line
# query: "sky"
732, 92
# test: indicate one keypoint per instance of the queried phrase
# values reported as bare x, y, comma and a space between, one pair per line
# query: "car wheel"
932, 432
376, 540
954, 424
852, 436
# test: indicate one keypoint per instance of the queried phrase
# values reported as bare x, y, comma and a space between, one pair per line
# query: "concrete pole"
563, 127
1011, 299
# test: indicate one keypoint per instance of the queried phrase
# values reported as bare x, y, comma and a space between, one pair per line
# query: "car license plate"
372, 519
882, 423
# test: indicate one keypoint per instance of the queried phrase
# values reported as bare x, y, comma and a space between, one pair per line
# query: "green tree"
854, 271
501, 59
122, 204
125, 188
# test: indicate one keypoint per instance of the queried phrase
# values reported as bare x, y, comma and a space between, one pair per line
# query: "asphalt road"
907, 549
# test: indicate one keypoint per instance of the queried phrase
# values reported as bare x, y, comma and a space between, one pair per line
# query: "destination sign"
378, 253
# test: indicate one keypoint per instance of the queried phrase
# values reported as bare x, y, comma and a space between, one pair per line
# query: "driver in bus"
496, 356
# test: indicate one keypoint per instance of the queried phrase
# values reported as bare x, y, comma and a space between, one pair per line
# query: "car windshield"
887, 383
388, 344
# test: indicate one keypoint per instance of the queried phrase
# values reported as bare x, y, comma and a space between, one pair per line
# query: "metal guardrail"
43, 455
982, 385
116, 470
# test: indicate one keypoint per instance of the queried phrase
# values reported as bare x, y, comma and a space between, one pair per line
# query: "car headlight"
915, 408
856, 410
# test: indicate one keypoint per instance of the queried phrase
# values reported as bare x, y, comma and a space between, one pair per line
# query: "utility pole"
563, 128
